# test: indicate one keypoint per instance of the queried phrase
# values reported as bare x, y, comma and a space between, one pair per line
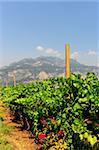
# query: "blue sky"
31, 29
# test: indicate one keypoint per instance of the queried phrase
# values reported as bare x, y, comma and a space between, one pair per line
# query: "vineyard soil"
17, 139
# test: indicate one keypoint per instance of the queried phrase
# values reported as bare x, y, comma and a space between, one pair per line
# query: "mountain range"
40, 68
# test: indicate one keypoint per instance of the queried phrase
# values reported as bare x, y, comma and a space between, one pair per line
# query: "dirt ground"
18, 138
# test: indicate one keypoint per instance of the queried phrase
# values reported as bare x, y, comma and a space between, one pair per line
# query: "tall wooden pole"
76, 58
6, 83
67, 59
14, 79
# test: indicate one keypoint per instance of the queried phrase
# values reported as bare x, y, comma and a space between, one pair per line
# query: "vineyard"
61, 113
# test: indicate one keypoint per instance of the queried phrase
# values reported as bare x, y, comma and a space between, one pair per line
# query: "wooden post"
67, 59
76, 58
6, 83
14, 79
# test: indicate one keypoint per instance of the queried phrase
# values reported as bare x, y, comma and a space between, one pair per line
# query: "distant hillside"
41, 67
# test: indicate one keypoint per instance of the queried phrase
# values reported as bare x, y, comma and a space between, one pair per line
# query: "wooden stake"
67, 57
14, 79
6, 83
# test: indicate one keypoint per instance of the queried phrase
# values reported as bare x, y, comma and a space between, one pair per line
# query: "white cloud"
75, 55
88, 57
40, 48
91, 52
49, 51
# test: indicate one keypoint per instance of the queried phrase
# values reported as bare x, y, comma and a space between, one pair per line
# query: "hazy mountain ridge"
41, 67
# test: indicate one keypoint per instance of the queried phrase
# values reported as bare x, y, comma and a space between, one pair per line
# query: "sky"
29, 29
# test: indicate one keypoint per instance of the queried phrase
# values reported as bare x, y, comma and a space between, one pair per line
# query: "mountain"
40, 68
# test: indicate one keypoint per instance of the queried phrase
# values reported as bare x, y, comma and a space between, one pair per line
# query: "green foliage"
70, 105
4, 145
4, 130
